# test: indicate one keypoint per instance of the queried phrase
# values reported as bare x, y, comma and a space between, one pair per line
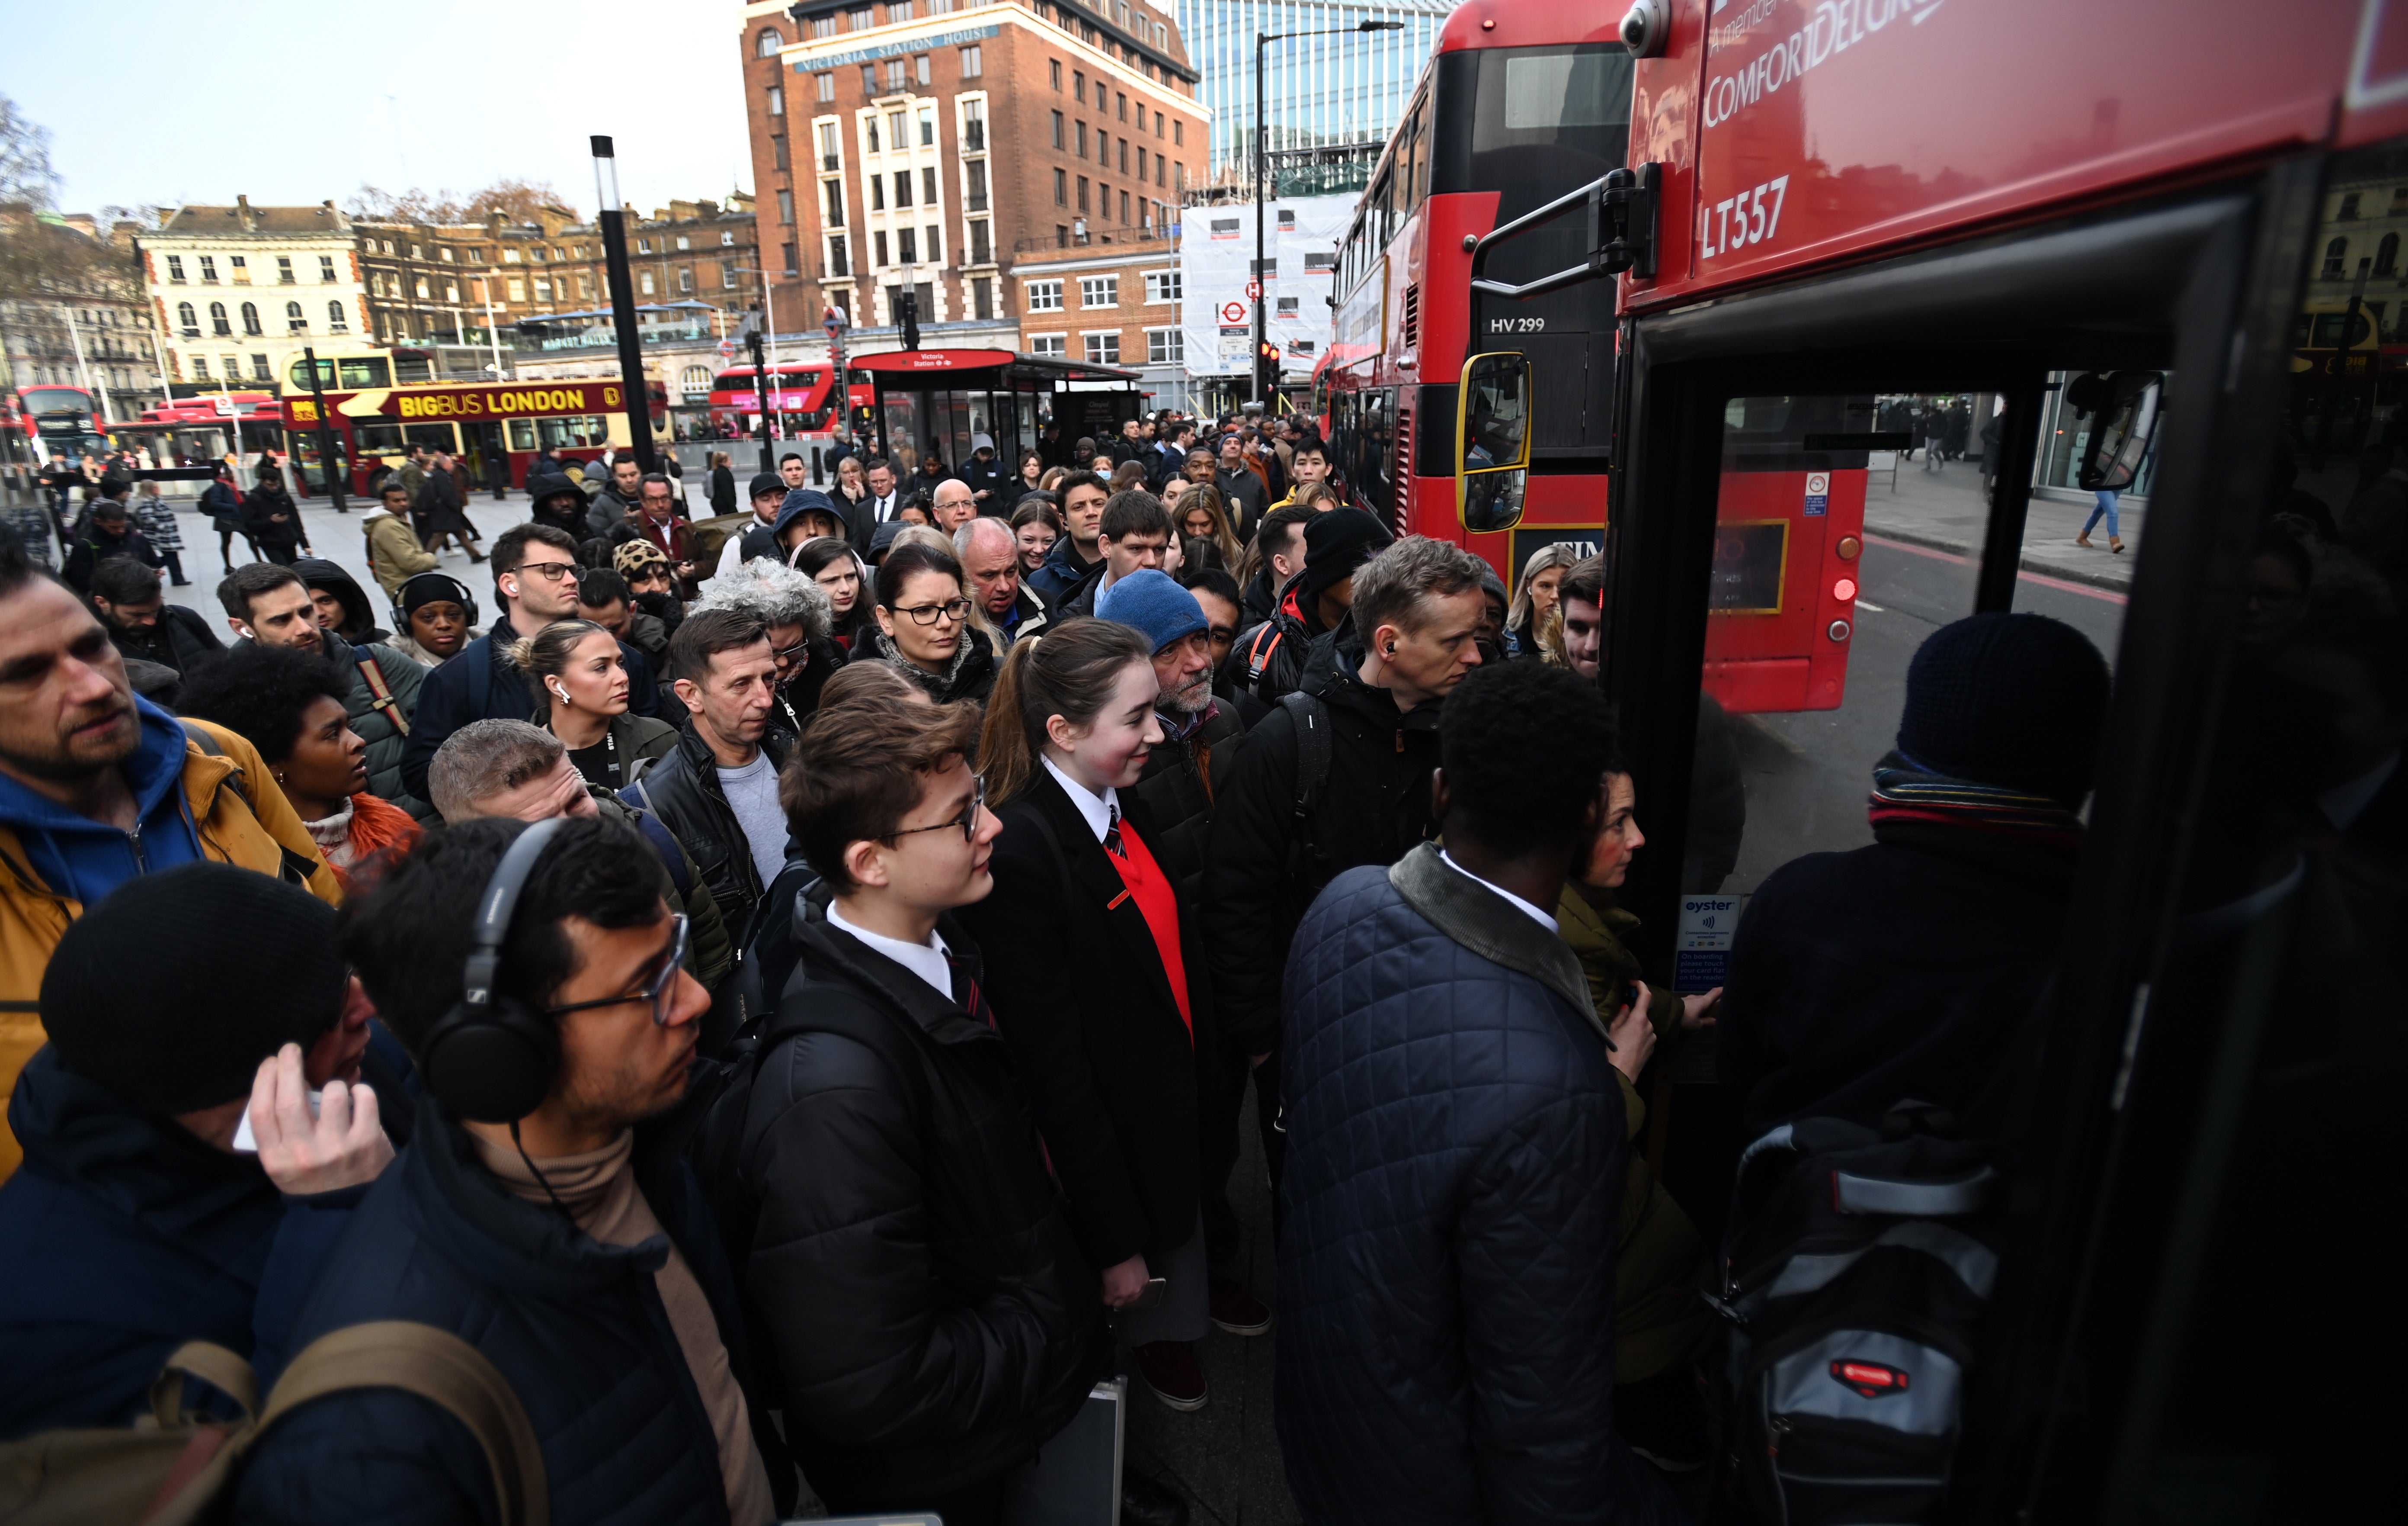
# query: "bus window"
581, 431
523, 435
378, 435
433, 436
362, 372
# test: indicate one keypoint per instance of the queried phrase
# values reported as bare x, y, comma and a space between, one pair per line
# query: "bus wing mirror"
2123, 409
1492, 453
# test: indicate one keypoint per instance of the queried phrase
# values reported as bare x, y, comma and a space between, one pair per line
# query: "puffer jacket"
373, 718
904, 1254
1454, 1164
683, 789
123, 1238
577, 1328
1660, 1263
1265, 866
194, 802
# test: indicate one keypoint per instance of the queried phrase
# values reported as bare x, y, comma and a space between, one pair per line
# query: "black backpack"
1855, 1270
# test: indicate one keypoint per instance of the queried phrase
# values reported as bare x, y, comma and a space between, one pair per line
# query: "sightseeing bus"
494, 427
1519, 105
2165, 259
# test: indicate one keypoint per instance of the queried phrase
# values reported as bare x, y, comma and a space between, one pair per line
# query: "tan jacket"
395, 554
244, 820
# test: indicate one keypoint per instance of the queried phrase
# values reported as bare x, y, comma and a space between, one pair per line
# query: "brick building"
936, 141
428, 282
1107, 305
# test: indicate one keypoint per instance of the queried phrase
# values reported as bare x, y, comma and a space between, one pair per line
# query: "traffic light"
906, 312
1267, 368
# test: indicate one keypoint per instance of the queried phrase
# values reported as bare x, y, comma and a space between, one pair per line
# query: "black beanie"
2014, 700
1336, 544
173, 989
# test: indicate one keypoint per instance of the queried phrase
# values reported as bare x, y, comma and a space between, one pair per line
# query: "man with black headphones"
543, 1211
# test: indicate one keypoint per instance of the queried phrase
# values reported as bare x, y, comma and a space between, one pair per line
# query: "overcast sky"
290, 105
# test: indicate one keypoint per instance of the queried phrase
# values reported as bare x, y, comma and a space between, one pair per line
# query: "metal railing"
976, 201
1133, 236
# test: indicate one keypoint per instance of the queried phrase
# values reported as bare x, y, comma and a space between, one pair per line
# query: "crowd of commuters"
790, 1000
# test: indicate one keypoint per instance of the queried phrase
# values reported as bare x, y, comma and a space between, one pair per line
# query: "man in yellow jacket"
97, 786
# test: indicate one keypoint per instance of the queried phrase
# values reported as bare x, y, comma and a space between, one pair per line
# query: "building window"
1288, 307
1056, 345
726, 240
921, 70
242, 266
1045, 296
766, 42
785, 206
823, 26
251, 317
259, 370
860, 19
727, 276
1162, 286
927, 126
451, 291
2336, 253
1061, 234
927, 187
1099, 291
907, 246
644, 283
1054, 71
1179, 133
200, 368
296, 322
982, 298
788, 253
935, 244
1166, 347
685, 280
869, 79
284, 270
694, 381
897, 11
902, 188
517, 288
1083, 140
1124, 156
837, 263
1124, 207
778, 152
877, 251
176, 267
187, 320
1057, 129
829, 144
1120, 106
1104, 348
1321, 263
973, 66
878, 192
981, 244
1083, 192
835, 189
422, 293
208, 267
1061, 187
895, 67
643, 246
1079, 86
826, 86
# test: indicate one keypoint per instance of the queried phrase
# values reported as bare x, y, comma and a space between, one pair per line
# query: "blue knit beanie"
1154, 603
2008, 699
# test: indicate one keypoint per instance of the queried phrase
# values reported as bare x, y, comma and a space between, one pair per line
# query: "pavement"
1945, 510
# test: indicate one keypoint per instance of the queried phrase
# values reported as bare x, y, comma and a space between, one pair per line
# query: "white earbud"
562, 692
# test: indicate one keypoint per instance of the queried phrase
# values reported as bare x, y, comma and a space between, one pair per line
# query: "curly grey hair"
773, 593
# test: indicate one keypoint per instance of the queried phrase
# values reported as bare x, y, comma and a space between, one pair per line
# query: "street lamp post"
1262, 291
634, 390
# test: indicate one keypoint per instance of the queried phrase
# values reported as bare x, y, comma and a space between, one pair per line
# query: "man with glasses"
881, 1188
718, 793
535, 580
633, 1301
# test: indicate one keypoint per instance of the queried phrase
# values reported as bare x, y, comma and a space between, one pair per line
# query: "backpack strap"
666, 843
481, 681
213, 1364
199, 736
373, 676
445, 1371
1312, 748
1259, 656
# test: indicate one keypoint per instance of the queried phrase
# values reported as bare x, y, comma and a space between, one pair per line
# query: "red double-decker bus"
2074, 311
1519, 105
802, 402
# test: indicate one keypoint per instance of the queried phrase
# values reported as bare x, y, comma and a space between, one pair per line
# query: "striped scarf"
1904, 791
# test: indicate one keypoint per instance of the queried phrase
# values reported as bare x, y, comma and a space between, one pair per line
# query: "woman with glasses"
578, 676
924, 625
1090, 947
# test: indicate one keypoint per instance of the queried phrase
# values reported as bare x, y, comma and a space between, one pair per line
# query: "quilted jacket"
1454, 1185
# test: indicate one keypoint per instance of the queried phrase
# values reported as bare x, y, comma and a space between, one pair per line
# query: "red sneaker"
1236, 1310
1169, 1369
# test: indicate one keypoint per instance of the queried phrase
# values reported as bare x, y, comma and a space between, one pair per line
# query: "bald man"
955, 505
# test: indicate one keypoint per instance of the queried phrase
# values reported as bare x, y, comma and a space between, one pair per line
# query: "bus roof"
1021, 367
1790, 139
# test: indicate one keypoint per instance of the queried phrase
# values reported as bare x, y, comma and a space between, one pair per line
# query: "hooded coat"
190, 804
359, 616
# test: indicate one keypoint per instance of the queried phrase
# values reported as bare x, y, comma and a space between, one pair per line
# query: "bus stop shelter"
943, 398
